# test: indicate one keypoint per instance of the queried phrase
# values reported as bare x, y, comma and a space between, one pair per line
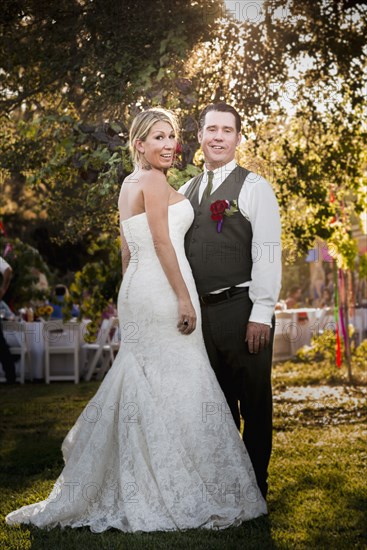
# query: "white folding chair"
62, 339
15, 335
103, 350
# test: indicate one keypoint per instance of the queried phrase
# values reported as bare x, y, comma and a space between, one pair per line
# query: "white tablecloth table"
294, 329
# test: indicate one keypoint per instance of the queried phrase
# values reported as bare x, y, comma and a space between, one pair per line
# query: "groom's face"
219, 138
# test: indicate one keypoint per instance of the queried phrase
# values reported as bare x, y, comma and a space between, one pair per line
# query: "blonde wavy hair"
142, 125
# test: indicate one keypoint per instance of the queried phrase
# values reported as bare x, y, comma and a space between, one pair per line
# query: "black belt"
208, 299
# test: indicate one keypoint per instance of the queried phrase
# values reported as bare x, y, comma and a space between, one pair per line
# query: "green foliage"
359, 355
26, 263
111, 51
177, 177
322, 347
79, 167
317, 168
97, 284
295, 72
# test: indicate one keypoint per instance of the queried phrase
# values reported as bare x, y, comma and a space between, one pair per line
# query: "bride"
156, 449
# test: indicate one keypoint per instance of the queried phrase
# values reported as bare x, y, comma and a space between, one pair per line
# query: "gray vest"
219, 260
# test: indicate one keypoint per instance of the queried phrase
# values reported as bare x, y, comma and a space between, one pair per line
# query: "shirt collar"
223, 171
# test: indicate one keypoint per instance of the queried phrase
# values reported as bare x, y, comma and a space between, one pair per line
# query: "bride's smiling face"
159, 146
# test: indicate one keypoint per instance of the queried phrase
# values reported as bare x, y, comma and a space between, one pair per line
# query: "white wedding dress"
156, 448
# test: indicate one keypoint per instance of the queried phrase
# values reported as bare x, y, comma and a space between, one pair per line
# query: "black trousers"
245, 378
6, 358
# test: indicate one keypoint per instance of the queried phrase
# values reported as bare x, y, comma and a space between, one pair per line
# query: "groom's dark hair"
223, 108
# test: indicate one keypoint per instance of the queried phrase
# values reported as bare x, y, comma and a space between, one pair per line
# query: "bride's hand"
187, 317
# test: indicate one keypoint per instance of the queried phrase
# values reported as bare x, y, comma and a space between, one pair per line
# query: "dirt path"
320, 405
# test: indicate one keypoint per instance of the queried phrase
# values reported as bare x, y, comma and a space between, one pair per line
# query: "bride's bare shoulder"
153, 182
144, 177
152, 176
143, 183
131, 178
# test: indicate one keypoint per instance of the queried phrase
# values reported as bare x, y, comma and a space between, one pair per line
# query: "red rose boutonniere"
222, 208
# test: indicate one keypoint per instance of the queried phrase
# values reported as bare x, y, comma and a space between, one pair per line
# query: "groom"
236, 263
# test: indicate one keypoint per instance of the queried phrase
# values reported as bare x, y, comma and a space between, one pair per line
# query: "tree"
95, 55
66, 63
27, 264
292, 59
317, 166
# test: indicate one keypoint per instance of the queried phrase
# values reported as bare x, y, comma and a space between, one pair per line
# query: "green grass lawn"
318, 475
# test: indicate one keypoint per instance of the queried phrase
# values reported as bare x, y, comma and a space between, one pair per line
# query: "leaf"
161, 74
118, 67
116, 127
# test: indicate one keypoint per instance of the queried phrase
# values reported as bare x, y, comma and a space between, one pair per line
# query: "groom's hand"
257, 336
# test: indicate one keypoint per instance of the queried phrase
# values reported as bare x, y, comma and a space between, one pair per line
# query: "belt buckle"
228, 294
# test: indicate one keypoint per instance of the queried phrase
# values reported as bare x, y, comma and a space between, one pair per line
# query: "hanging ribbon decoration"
340, 295
338, 354
338, 350
8, 247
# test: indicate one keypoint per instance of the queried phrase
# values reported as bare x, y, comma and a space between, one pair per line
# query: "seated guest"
110, 311
293, 298
5, 311
58, 300
326, 298
6, 359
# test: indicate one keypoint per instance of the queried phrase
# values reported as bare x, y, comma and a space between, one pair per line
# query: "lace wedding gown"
156, 448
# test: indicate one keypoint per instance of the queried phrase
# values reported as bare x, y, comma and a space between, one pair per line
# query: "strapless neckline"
144, 213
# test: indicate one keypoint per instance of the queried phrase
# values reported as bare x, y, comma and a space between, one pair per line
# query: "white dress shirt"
258, 204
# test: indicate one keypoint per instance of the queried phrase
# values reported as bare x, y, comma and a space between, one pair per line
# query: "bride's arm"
156, 196
125, 252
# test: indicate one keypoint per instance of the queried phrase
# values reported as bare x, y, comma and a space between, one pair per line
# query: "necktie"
209, 186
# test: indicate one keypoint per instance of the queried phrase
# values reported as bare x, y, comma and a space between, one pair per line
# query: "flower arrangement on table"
221, 208
44, 312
